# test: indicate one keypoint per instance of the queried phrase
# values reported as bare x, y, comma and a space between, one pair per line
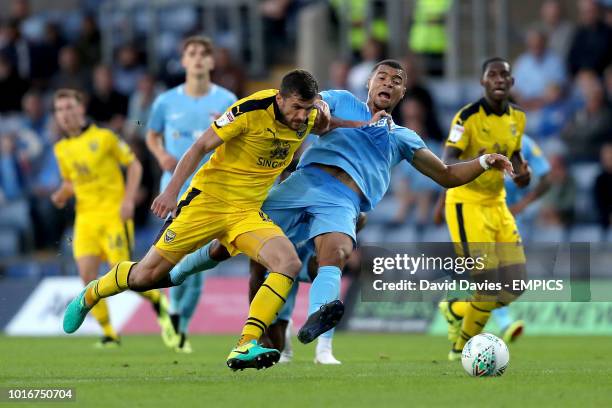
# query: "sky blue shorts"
311, 202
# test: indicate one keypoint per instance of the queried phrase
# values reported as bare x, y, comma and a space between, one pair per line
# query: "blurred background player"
90, 160
477, 213
519, 201
179, 116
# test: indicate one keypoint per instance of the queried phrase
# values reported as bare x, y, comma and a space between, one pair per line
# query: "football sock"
153, 296
325, 287
195, 262
176, 294
327, 335
265, 306
458, 307
475, 319
100, 312
324, 343
114, 282
189, 300
502, 317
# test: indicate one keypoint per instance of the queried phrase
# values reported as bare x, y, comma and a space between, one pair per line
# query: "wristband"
483, 161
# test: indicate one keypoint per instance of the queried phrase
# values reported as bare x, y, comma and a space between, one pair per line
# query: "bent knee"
336, 255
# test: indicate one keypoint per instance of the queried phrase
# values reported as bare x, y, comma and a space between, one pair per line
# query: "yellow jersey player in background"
90, 160
476, 213
255, 140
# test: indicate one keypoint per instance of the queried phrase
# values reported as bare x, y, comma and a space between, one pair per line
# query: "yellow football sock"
474, 320
152, 295
100, 312
459, 307
114, 282
265, 306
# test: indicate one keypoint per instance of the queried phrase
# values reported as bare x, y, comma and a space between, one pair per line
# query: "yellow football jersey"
256, 149
476, 130
92, 162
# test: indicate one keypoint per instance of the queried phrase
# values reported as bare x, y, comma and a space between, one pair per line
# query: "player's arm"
155, 144
165, 203
539, 190
323, 120
522, 172
454, 175
132, 183
60, 197
66, 190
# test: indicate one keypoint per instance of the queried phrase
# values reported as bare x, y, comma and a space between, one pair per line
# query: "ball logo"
169, 236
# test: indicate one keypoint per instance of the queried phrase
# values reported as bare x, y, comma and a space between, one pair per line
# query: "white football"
485, 355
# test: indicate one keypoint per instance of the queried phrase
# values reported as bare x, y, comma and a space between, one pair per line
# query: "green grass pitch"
378, 370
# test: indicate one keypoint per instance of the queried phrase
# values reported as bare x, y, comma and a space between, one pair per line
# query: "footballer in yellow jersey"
477, 216
254, 141
90, 160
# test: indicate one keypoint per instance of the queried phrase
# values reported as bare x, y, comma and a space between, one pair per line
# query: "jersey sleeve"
156, 119
521, 128
339, 99
61, 163
459, 134
120, 150
231, 124
409, 142
534, 156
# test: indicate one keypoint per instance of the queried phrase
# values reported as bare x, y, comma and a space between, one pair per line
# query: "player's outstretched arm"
61, 196
165, 203
457, 174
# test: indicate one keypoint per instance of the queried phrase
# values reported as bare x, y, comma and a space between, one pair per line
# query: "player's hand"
378, 116
323, 120
518, 208
500, 162
164, 204
167, 162
59, 199
523, 178
127, 210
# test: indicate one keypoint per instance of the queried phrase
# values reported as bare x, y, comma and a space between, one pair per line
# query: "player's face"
197, 59
386, 87
497, 81
69, 114
295, 110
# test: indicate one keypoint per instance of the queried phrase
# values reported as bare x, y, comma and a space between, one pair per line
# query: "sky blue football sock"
325, 287
189, 300
502, 317
195, 262
176, 294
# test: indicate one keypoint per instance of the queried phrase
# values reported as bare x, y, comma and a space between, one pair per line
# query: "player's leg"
187, 306
88, 267
118, 247
475, 231
512, 267
274, 251
257, 276
202, 259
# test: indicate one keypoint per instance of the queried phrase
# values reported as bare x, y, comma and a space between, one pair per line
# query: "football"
485, 355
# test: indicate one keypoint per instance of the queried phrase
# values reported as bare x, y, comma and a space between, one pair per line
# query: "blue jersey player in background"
518, 201
179, 116
346, 171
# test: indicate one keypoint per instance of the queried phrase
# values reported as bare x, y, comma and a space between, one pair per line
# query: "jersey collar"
489, 111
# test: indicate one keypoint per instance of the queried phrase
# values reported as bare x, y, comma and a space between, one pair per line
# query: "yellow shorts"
485, 229
109, 238
201, 218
